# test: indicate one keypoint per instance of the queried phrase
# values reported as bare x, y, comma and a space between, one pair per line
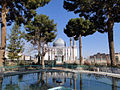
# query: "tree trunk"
94, 59
80, 50
111, 42
3, 32
81, 82
42, 61
39, 53
42, 76
114, 84
1, 81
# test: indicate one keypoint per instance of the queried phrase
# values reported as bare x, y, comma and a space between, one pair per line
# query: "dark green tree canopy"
103, 13
20, 10
42, 29
79, 26
97, 11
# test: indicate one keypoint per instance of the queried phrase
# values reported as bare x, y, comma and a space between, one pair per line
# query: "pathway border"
2, 74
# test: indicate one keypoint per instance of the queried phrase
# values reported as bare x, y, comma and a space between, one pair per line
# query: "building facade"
103, 58
60, 52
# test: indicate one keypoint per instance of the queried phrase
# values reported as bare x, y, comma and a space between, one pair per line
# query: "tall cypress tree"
15, 46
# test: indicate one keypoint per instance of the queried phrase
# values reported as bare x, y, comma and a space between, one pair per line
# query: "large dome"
59, 43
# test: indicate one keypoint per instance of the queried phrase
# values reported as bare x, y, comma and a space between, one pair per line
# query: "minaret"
74, 42
48, 51
73, 54
70, 42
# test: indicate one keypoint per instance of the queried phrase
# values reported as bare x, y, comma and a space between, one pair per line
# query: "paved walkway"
91, 72
61, 69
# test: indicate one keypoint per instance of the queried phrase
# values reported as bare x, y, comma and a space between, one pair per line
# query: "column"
48, 53
100, 59
73, 49
94, 59
67, 55
70, 48
51, 54
54, 53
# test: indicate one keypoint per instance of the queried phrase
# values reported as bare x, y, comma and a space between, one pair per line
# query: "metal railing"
20, 68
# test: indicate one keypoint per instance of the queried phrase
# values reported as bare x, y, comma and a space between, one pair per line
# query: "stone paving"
7, 73
92, 72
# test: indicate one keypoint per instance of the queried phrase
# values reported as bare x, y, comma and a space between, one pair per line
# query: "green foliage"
41, 30
100, 12
103, 13
21, 11
21, 62
15, 45
79, 26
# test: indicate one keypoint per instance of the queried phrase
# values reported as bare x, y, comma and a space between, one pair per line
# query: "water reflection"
38, 78
114, 84
20, 77
71, 82
41, 84
45, 80
74, 81
1, 79
81, 82
11, 86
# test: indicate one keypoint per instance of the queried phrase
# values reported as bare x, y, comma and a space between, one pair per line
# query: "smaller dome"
59, 43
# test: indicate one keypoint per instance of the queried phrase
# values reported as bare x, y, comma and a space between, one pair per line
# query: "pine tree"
77, 28
15, 46
39, 32
103, 13
20, 11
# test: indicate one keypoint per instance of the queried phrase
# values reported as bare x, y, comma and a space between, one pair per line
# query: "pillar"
94, 59
73, 49
70, 48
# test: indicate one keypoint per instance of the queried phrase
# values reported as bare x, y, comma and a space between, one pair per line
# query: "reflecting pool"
46, 80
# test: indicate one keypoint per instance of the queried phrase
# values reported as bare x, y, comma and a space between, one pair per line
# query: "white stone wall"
69, 53
118, 57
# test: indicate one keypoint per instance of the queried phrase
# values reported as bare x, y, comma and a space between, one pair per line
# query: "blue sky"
91, 44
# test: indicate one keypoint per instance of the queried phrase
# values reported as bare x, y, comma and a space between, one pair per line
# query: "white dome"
59, 43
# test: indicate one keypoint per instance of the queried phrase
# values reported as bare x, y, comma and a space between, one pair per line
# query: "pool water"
47, 80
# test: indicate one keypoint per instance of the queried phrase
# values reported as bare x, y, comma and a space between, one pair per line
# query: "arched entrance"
59, 57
